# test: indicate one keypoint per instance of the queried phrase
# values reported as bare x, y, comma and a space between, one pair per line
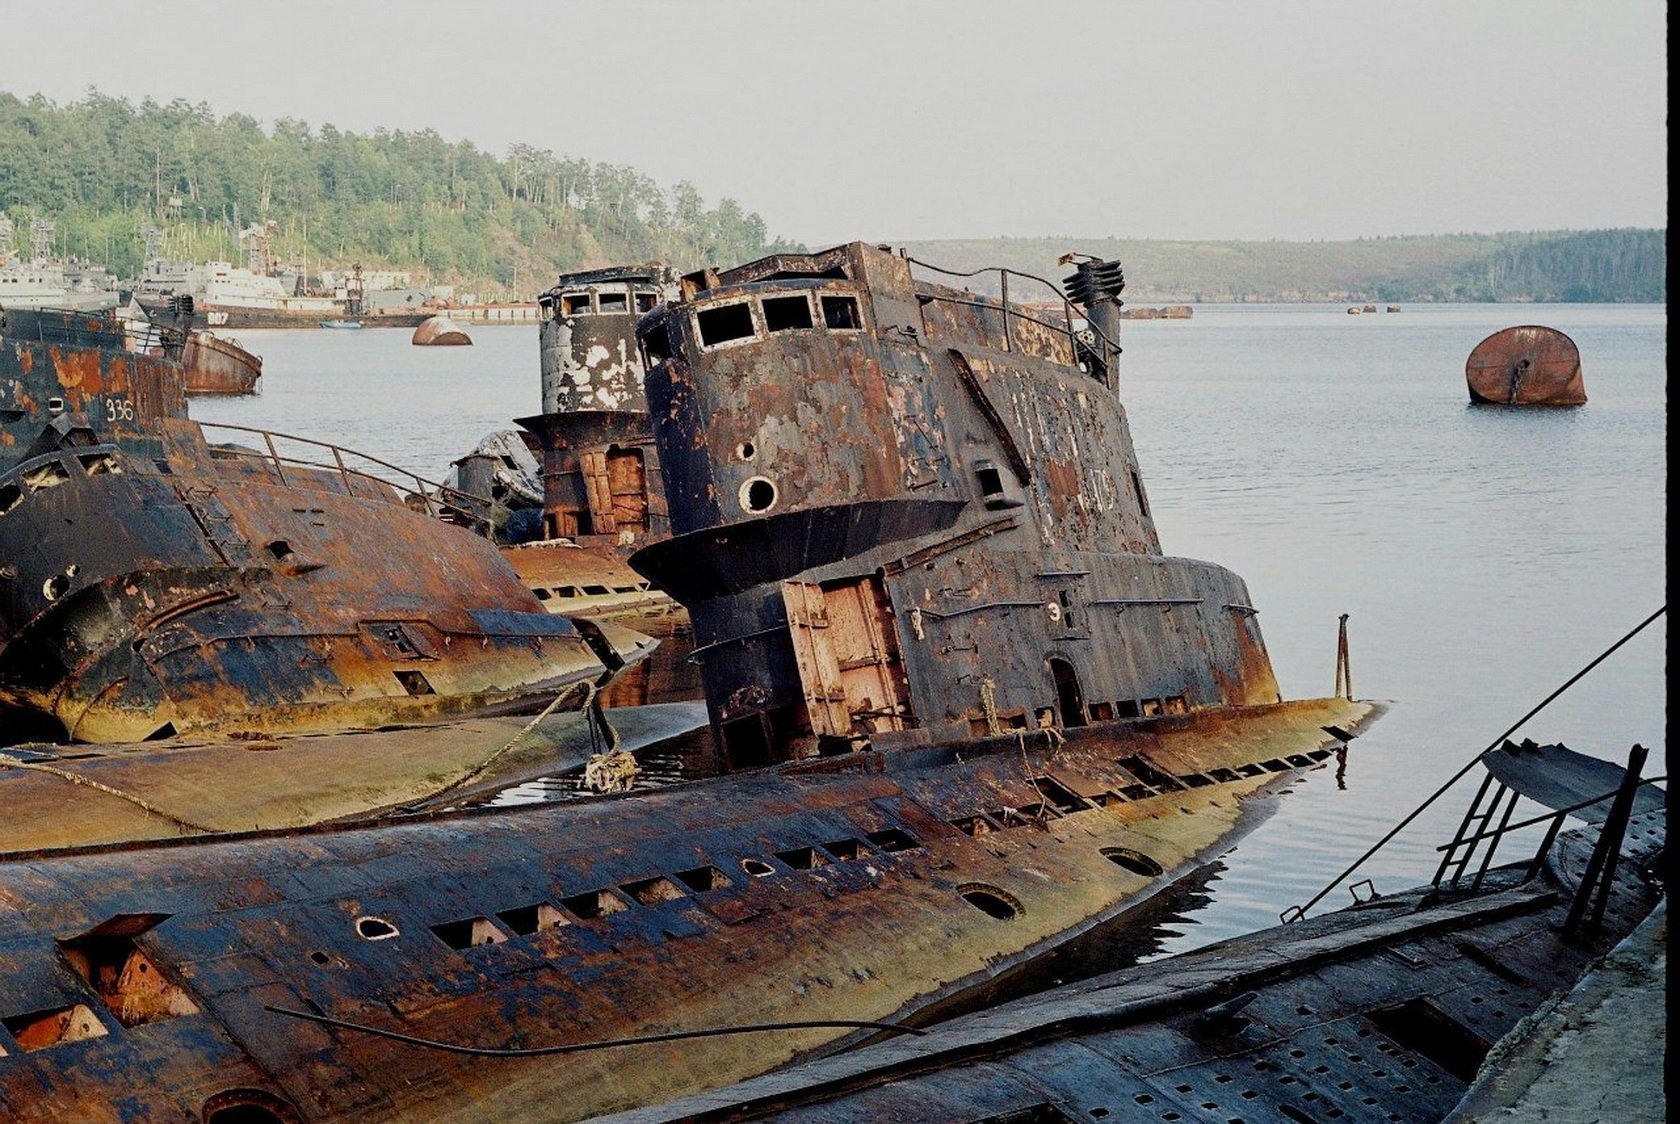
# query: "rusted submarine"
1528, 365
964, 712
156, 582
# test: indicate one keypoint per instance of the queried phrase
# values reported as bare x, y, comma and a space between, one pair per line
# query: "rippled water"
1484, 554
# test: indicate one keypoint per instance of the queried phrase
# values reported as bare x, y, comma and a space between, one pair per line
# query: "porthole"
746, 450
1135, 861
991, 901
758, 495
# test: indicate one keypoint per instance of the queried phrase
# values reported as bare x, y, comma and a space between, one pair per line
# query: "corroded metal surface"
863, 887
951, 478
1381, 1012
440, 331
215, 365
1528, 365
154, 583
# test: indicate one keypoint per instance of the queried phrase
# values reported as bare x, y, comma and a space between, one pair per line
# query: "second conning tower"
906, 512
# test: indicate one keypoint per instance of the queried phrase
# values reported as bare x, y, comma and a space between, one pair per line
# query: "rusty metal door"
598, 492
847, 652
627, 486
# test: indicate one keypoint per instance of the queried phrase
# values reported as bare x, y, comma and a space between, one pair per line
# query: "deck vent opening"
543, 594
55, 405
725, 323
1421, 1027
1274, 766
593, 904
528, 919
1135, 861
279, 549
990, 481
845, 850
414, 683
1145, 771
1044, 1113
1102, 712
756, 868
653, 891
803, 858
893, 839
167, 730
470, 932
375, 929
787, 314
127, 981
320, 958
1127, 708
975, 825
703, 878
1224, 776
612, 302
758, 494
596, 590
40, 1029
841, 313
991, 901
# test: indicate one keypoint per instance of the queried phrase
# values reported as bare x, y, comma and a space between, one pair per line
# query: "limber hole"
991, 901
845, 850
1135, 861
470, 932
652, 891
803, 858
703, 878
528, 919
40, 1029
893, 839
595, 903
414, 682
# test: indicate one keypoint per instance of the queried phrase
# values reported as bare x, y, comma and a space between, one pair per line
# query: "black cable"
580, 1047
1300, 911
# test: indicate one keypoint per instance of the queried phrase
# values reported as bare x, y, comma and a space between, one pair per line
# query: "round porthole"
991, 901
758, 495
1135, 861
746, 450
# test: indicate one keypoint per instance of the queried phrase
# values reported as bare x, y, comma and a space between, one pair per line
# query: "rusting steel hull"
597, 584
213, 365
234, 317
859, 888
440, 331
1390, 1011
156, 584
1529, 365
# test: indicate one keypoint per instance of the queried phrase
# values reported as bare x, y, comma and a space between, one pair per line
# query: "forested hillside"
102, 168
1599, 265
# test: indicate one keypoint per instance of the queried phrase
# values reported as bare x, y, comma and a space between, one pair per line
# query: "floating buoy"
1528, 365
440, 331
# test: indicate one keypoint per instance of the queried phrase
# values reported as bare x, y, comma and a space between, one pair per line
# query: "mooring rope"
8, 761
1300, 911
478, 770
579, 1047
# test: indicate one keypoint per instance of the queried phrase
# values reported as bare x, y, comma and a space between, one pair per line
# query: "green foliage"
102, 168
1600, 265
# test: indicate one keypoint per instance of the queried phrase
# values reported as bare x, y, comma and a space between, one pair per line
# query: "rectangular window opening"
703, 878
40, 1029
575, 304
803, 858
841, 313
470, 932
990, 480
845, 850
652, 891
893, 839
787, 314
528, 919
595, 903
725, 323
656, 345
612, 302
645, 302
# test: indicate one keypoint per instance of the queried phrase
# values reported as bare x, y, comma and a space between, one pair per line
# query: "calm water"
1484, 555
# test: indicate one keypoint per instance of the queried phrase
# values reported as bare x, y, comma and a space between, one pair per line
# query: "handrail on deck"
441, 501
1004, 274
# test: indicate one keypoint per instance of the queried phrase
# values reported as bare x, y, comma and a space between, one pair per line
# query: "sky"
923, 119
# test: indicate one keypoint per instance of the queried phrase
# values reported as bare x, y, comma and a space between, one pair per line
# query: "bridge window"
575, 304
841, 313
613, 302
725, 323
645, 302
787, 314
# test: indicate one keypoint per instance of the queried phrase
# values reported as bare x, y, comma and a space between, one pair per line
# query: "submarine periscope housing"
905, 513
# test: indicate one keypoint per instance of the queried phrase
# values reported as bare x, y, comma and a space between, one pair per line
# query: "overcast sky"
848, 119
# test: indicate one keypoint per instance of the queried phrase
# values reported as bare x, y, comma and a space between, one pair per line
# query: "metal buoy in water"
440, 331
1528, 365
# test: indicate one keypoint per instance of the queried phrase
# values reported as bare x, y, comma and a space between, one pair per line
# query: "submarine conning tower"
906, 513
600, 474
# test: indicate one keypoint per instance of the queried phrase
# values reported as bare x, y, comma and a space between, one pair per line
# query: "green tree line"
103, 168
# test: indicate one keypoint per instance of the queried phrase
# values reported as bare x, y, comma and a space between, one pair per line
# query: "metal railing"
1012, 312
440, 501
93, 329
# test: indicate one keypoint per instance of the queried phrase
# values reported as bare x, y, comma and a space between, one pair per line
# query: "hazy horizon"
1314, 121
